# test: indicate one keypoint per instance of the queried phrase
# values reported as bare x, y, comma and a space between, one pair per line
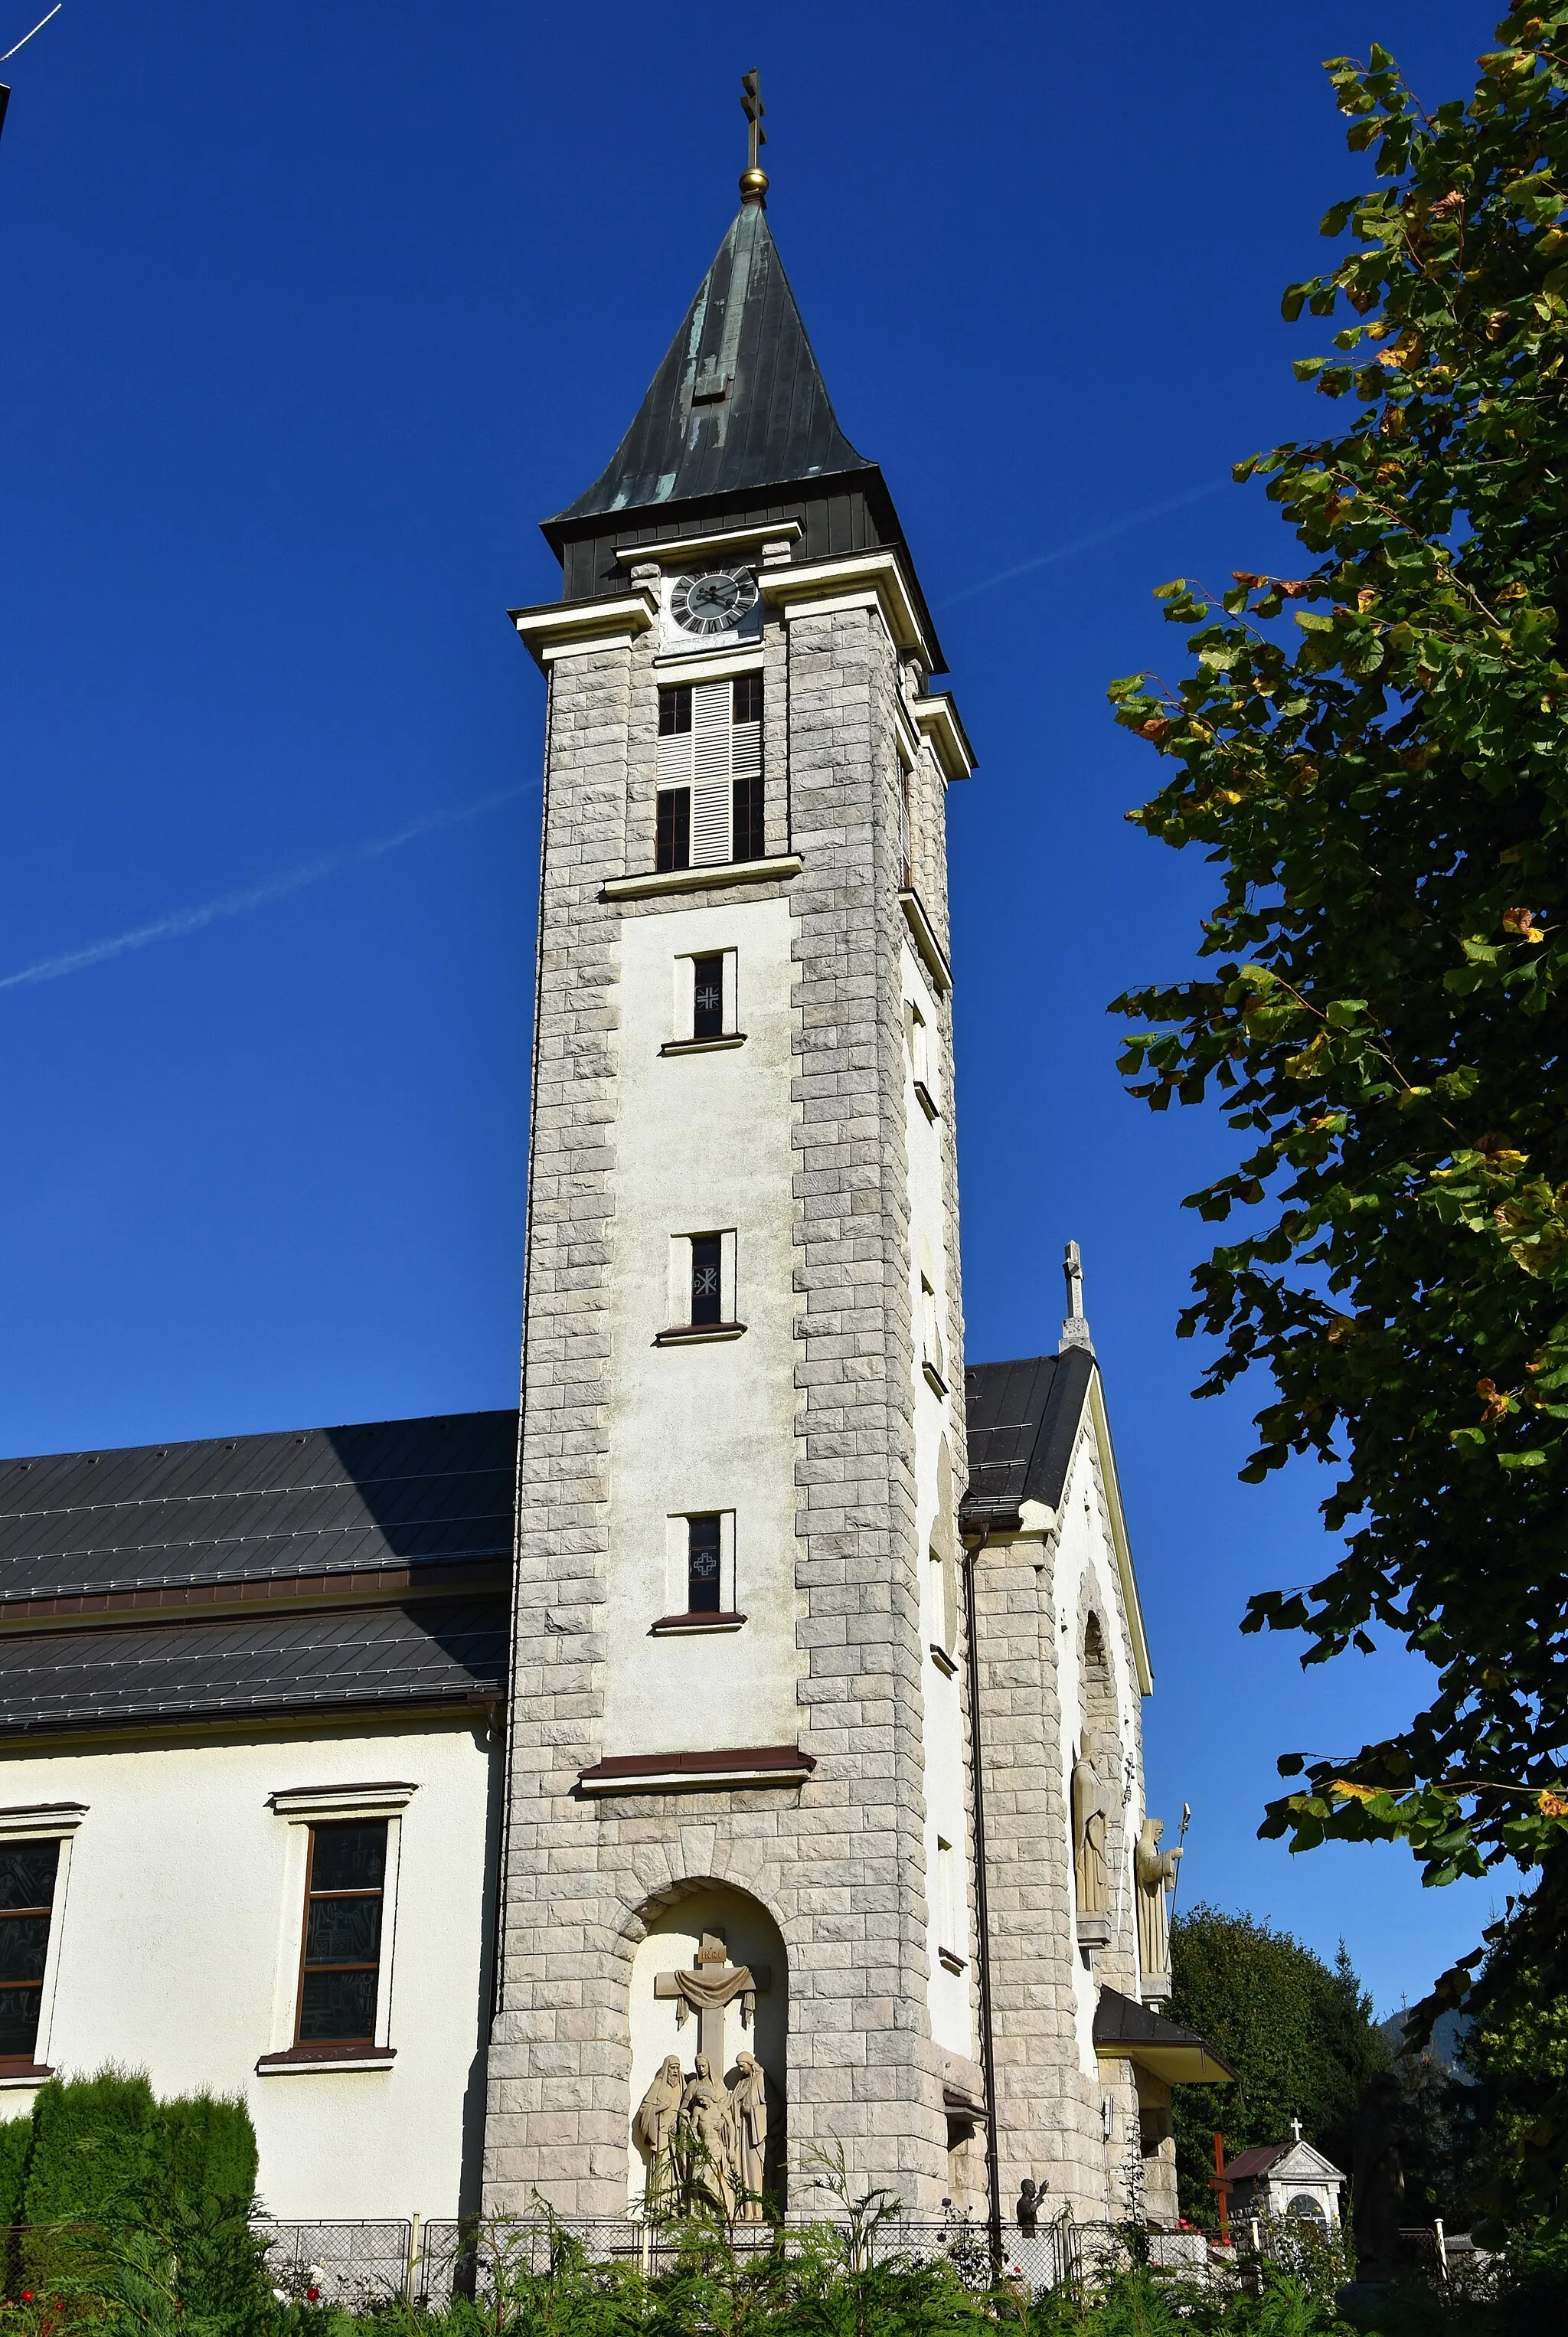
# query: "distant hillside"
1447, 2036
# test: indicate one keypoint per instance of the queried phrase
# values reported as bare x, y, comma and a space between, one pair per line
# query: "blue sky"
310, 315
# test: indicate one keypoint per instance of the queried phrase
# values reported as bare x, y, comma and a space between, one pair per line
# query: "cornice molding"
864, 579
573, 628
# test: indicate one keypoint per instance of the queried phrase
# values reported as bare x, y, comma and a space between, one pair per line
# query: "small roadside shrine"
1285, 2178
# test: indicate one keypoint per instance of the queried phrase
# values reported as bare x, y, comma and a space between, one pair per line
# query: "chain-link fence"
356, 2264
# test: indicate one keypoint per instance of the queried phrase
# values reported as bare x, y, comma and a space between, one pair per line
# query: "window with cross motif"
707, 997
340, 1965
702, 1564
707, 1278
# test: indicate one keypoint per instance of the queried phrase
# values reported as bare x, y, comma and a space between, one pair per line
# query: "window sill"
702, 1046
934, 1379
950, 1961
301, 2060
924, 938
926, 1100
942, 1660
672, 1627
693, 1334
694, 880
23, 2073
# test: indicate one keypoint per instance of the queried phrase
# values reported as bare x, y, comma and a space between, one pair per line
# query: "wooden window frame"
11, 2062
315, 1826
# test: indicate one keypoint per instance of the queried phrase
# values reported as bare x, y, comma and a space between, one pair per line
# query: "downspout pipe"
982, 1913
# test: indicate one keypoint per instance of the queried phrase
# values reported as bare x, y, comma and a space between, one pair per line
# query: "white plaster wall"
947, 1993
702, 1145
752, 1937
176, 1948
1086, 1558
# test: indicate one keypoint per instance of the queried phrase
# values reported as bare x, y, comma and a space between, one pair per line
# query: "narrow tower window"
342, 1958
706, 1280
702, 1564
906, 843
707, 997
27, 1871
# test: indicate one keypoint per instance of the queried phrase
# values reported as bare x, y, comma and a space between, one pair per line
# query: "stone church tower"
740, 1809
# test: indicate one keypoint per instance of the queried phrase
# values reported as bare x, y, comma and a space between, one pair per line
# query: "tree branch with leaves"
1374, 754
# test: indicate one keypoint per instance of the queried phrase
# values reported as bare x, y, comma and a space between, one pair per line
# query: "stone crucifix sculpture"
708, 1990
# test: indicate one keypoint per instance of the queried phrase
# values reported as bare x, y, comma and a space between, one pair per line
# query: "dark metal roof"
440, 1650
1180, 2055
248, 1508
1250, 2164
739, 401
1023, 1422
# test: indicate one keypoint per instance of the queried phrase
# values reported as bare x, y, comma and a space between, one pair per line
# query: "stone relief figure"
1156, 1871
748, 2112
1089, 1831
708, 2137
657, 2129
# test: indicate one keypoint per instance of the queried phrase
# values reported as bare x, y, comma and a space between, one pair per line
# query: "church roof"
394, 1494
738, 403
327, 1568
1023, 1421
432, 1652
1125, 2030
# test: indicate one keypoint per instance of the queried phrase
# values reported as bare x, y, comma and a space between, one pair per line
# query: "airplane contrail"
251, 896
1084, 543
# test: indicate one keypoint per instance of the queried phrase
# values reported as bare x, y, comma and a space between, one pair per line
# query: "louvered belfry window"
710, 808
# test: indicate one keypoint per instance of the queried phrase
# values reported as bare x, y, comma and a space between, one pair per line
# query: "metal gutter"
982, 1913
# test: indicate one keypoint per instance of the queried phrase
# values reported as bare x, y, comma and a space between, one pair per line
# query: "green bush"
211, 2150
15, 2142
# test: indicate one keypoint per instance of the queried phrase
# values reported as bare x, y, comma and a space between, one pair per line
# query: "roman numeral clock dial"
713, 603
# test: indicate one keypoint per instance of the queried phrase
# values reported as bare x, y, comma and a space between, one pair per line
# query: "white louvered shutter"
711, 773
674, 759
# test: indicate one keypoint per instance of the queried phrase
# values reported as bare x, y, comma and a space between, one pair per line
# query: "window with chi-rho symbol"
702, 1566
707, 1278
341, 1963
707, 997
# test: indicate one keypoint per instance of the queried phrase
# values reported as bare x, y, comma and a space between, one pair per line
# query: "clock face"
715, 602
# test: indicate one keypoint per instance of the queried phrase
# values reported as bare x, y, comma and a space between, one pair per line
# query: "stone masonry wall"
839, 1863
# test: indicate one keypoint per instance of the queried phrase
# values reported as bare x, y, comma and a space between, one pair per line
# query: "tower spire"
754, 178
1075, 1329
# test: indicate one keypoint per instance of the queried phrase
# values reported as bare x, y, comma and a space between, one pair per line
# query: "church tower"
737, 1820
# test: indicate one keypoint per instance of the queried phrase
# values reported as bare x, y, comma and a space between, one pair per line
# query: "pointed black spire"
739, 401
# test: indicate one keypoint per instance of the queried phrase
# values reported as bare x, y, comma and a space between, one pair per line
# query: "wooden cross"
713, 1962
753, 108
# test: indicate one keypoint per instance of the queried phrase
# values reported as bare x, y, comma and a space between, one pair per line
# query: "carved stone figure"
708, 2137
748, 2112
1089, 1831
657, 2129
1156, 1871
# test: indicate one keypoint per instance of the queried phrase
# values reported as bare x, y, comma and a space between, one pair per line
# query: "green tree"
1383, 785
1298, 2034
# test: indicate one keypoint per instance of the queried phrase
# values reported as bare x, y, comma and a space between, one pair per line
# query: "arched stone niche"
674, 1942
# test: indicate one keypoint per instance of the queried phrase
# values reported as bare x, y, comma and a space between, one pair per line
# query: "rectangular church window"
702, 1564
341, 1962
707, 1278
28, 1873
707, 997
710, 808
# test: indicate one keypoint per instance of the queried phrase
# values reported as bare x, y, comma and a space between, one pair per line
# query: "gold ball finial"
754, 186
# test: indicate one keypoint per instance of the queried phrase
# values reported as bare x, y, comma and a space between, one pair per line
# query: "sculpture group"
706, 2143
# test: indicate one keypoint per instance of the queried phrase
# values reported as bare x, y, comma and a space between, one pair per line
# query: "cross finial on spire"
1075, 1329
754, 178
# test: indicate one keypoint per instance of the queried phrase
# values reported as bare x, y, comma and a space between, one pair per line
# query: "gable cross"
1296, 2128
708, 1990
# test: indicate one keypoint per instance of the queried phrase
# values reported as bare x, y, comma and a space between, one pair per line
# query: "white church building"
734, 1752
